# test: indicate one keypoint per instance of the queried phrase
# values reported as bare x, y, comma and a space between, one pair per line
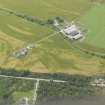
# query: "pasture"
94, 21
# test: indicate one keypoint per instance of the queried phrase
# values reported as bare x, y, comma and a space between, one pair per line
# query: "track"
35, 94
43, 39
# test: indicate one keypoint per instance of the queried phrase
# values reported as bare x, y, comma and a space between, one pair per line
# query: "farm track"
45, 38
97, 54
35, 93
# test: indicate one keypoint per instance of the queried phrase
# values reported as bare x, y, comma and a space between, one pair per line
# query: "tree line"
28, 73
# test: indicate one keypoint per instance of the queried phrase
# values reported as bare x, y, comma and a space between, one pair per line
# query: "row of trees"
28, 18
32, 19
51, 76
27, 73
76, 87
58, 19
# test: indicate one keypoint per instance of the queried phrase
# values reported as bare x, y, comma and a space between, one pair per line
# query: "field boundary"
90, 52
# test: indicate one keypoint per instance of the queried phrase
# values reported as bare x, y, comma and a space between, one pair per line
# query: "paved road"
36, 85
37, 79
36, 94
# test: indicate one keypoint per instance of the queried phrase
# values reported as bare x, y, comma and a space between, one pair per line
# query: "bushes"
12, 90
75, 88
59, 19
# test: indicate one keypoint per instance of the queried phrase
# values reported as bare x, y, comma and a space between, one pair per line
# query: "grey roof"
74, 33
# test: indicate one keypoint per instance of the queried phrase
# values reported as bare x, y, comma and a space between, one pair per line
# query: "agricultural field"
50, 54
94, 21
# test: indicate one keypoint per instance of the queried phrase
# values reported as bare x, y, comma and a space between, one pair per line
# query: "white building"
22, 52
72, 32
98, 82
24, 101
56, 23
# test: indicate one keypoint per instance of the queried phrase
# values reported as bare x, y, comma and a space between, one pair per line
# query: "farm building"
56, 23
22, 52
24, 101
72, 32
98, 82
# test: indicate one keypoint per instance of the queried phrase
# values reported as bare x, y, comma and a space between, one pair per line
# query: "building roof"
70, 29
72, 32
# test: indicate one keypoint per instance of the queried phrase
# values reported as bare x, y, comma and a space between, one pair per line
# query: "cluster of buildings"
72, 32
98, 82
22, 52
56, 23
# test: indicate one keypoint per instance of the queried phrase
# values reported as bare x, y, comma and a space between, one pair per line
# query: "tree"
60, 19
49, 21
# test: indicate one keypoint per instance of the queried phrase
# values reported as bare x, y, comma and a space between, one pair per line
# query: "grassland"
53, 55
94, 21
48, 8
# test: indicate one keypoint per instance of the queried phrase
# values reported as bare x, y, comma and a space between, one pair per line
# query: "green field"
94, 21
54, 54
